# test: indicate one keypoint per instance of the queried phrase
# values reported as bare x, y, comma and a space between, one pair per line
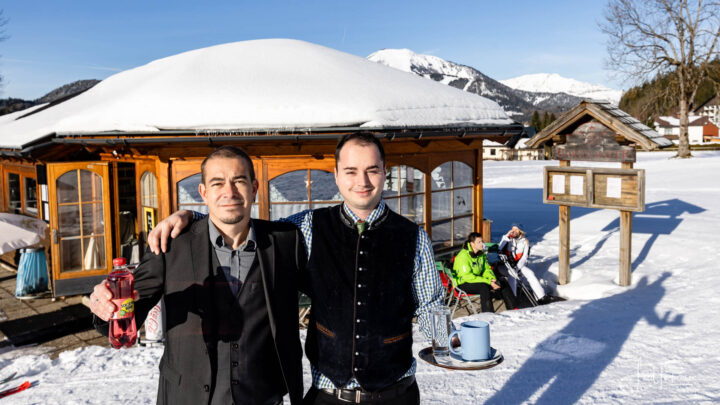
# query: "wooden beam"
427, 208
625, 248
325, 147
626, 243
478, 197
164, 188
564, 232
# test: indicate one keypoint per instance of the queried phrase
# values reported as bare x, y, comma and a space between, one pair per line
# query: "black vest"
362, 301
242, 352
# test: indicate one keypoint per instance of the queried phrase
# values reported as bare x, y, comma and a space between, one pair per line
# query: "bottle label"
126, 308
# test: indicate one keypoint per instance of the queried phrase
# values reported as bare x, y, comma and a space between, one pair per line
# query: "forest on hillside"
655, 98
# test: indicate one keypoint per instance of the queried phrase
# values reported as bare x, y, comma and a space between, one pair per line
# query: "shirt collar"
218, 241
375, 214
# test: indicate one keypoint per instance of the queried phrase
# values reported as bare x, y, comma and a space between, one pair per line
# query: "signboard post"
621, 189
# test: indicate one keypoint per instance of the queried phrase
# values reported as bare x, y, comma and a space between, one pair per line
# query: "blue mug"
474, 341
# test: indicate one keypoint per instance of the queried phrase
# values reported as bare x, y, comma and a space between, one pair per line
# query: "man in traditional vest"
230, 290
369, 272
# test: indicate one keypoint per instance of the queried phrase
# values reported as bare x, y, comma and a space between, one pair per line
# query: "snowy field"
653, 342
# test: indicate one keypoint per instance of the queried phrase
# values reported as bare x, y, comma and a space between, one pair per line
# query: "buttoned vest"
362, 300
241, 348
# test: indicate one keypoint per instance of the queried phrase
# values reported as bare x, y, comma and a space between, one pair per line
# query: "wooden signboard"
621, 189
595, 187
566, 186
593, 141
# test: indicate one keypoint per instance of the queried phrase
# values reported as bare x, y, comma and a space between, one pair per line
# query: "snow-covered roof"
4, 119
271, 84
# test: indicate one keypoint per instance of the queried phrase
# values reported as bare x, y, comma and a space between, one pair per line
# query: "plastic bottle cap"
119, 261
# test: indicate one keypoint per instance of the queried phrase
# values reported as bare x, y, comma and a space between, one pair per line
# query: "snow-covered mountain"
519, 104
554, 83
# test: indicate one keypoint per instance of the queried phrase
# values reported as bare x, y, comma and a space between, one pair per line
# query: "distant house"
710, 109
497, 151
701, 129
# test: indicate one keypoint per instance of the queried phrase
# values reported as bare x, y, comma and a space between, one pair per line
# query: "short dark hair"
363, 139
471, 238
228, 152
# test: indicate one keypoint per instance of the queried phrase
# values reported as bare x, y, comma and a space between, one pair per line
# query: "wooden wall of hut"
437, 184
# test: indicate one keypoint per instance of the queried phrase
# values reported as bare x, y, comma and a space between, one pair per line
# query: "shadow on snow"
506, 206
570, 361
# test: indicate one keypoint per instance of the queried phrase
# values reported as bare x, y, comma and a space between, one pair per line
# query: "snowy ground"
654, 342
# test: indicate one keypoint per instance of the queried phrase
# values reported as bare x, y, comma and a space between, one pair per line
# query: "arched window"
404, 192
148, 190
301, 190
148, 201
452, 203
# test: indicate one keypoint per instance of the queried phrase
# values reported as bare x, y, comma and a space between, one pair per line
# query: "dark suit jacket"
182, 276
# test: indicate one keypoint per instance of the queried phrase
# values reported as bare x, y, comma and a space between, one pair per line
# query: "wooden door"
80, 225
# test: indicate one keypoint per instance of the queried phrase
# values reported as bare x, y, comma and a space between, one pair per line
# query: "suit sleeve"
150, 283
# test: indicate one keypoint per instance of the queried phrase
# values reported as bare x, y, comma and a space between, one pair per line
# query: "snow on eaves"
271, 84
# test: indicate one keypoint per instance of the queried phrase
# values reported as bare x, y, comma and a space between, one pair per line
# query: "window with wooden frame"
14, 193
30, 194
20, 190
81, 220
300, 190
404, 192
452, 203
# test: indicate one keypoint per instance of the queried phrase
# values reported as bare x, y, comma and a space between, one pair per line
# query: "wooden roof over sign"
628, 130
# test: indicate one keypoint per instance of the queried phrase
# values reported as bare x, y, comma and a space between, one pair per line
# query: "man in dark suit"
230, 290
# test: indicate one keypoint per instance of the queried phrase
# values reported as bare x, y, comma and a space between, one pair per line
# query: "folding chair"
447, 284
456, 294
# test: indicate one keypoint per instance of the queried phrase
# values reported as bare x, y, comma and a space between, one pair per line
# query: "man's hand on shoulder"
169, 227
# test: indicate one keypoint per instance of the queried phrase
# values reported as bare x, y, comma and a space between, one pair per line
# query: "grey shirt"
234, 264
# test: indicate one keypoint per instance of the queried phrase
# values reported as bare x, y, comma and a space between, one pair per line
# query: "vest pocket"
325, 331
169, 374
397, 338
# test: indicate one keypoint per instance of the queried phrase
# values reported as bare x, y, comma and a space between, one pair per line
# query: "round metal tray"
454, 362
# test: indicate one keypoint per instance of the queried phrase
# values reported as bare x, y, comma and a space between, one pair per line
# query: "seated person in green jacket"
474, 275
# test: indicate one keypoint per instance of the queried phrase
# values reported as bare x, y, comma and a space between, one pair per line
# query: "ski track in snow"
654, 342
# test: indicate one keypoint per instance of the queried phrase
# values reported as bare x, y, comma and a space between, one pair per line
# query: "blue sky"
51, 43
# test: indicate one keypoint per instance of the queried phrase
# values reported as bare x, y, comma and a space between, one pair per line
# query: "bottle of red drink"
122, 324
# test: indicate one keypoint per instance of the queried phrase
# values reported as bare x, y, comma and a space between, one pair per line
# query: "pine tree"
535, 121
545, 119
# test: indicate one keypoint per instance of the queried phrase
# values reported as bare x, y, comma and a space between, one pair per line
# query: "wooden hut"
103, 167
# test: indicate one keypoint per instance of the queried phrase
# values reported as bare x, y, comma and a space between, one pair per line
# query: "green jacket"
470, 269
